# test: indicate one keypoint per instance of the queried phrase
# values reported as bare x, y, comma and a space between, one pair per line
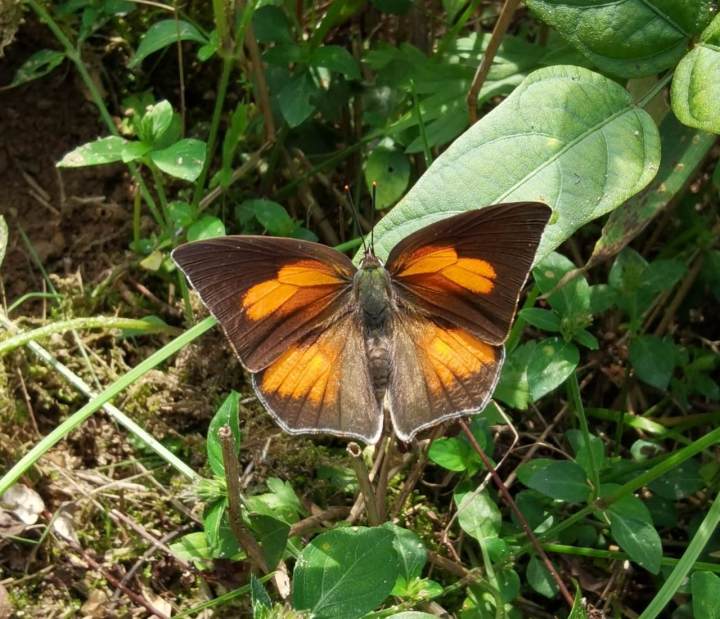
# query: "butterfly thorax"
373, 294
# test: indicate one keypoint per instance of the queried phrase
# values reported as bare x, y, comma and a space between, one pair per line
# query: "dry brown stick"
366, 489
263, 92
313, 522
359, 503
680, 295
384, 477
518, 514
483, 69
232, 478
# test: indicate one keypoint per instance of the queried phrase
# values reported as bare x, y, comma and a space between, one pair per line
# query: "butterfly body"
334, 348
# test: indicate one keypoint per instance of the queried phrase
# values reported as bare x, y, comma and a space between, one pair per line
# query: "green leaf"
272, 535
271, 25
184, 159
534, 369
540, 318
653, 360
478, 515
39, 64
155, 121
632, 528
345, 573
181, 214
99, 152
132, 151
411, 553
679, 483
683, 150
164, 33
336, 59
390, 169
281, 502
259, 597
452, 454
577, 441
193, 547
705, 588
540, 579
628, 38
221, 540
412, 614
573, 298
696, 87
207, 227
548, 141
226, 415
295, 99
231, 141
271, 216
559, 479
578, 609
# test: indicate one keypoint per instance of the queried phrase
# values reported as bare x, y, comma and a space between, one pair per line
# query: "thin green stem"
686, 562
75, 420
94, 322
421, 123
227, 64
517, 328
657, 88
573, 388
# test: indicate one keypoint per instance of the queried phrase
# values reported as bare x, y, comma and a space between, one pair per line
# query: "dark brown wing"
321, 384
469, 269
440, 371
267, 293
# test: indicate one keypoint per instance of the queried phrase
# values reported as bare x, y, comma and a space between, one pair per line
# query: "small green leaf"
559, 479
164, 33
540, 318
39, 64
540, 579
226, 415
280, 502
451, 454
221, 540
337, 59
632, 528
578, 609
679, 483
99, 152
181, 214
705, 588
345, 572
271, 25
272, 216
259, 597
295, 99
391, 170
156, 120
271, 534
207, 227
653, 360
132, 151
184, 159
478, 515
577, 441
193, 547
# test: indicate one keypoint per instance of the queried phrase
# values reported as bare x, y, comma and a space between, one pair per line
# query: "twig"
417, 471
232, 478
262, 90
483, 69
313, 522
518, 514
384, 477
366, 489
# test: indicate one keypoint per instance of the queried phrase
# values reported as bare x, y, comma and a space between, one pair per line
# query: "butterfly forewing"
469, 269
321, 384
267, 293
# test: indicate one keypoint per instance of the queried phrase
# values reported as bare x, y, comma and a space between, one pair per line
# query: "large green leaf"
683, 150
696, 83
628, 38
631, 527
345, 573
566, 136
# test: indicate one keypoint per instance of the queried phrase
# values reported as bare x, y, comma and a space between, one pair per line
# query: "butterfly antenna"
356, 216
372, 223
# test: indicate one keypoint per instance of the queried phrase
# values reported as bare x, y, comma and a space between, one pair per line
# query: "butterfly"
335, 349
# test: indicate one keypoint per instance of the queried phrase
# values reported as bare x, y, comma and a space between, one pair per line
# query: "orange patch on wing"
269, 296
472, 274
304, 373
453, 354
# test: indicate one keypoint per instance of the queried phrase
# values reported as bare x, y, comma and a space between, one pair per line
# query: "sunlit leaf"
164, 33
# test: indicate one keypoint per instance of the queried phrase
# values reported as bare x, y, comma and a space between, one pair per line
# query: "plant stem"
94, 322
421, 123
107, 394
232, 478
686, 562
573, 388
227, 64
512, 340
653, 92
361, 472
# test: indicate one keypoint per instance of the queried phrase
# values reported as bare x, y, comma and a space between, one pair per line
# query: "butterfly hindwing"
469, 269
267, 293
321, 384
440, 371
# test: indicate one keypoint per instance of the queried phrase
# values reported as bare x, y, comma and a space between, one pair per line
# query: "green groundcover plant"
606, 111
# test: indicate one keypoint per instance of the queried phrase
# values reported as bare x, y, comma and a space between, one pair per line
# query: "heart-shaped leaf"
566, 136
